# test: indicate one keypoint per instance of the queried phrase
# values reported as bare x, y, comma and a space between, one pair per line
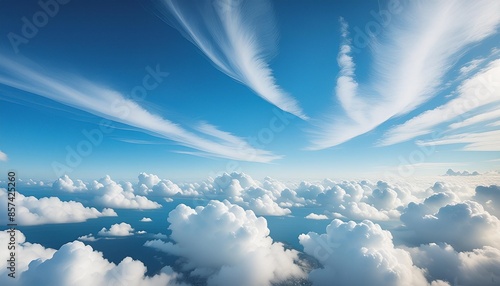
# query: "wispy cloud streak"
480, 91
410, 60
107, 103
238, 37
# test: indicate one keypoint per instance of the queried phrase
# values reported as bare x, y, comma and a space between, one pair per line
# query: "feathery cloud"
238, 37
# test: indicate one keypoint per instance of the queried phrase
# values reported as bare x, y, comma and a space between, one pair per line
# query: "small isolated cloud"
87, 237
359, 254
146, 219
82, 266
228, 246
3, 156
33, 211
316, 216
141, 232
122, 229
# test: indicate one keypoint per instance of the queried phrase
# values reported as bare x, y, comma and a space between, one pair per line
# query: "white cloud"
111, 194
3, 156
112, 105
122, 229
472, 141
82, 266
316, 216
478, 91
359, 254
146, 219
264, 205
480, 118
65, 184
450, 223
407, 71
470, 66
33, 211
489, 197
237, 38
227, 245
479, 267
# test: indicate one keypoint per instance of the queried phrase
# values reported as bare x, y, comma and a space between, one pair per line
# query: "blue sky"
286, 88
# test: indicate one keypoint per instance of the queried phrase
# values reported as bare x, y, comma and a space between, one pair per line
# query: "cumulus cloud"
479, 267
121, 229
316, 216
450, 223
66, 184
359, 254
33, 211
111, 194
241, 189
489, 197
76, 264
146, 219
228, 245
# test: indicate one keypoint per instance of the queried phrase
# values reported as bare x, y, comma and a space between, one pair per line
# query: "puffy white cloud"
33, 211
316, 216
111, 194
228, 246
264, 205
490, 198
122, 229
359, 254
76, 264
150, 184
479, 267
241, 189
66, 184
146, 219
465, 225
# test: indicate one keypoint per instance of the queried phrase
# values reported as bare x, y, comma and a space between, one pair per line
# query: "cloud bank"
33, 211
